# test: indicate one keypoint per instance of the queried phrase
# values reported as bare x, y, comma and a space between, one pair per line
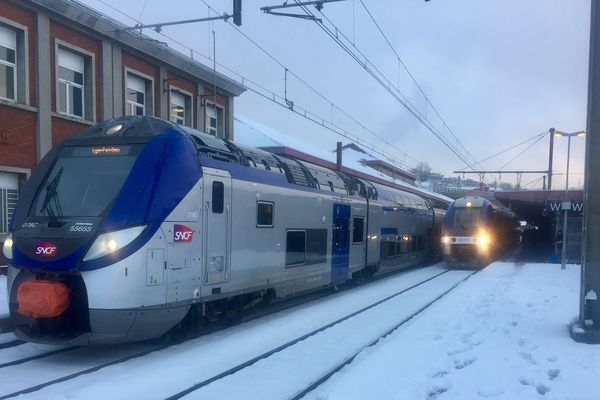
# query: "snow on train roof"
254, 134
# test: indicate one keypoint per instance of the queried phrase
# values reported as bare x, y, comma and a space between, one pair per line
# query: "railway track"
59, 368
308, 361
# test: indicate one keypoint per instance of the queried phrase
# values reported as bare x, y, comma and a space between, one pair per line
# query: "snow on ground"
502, 334
3, 297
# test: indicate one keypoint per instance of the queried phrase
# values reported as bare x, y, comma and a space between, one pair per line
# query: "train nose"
42, 298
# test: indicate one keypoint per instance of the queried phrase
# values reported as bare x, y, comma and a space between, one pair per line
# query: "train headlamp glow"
445, 239
469, 204
483, 240
7, 248
112, 241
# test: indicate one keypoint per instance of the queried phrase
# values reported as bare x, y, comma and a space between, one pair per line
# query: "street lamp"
566, 205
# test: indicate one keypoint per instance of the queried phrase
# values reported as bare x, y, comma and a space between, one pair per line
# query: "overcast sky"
498, 71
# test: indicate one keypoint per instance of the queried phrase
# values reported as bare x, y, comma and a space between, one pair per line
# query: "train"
136, 226
476, 230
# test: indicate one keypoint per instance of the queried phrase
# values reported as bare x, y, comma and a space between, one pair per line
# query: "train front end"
466, 235
78, 247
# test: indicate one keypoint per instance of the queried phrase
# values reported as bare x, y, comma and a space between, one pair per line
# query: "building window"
8, 63
8, 199
214, 120
181, 108
264, 213
71, 83
139, 95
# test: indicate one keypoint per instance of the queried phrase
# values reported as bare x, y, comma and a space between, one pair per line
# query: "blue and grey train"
476, 230
136, 225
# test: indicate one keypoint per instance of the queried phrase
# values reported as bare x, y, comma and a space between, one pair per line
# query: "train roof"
252, 133
299, 168
479, 201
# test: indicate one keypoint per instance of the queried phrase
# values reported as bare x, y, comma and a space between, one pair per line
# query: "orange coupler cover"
42, 298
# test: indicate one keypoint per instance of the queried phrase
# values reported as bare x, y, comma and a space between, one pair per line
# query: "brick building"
64, 66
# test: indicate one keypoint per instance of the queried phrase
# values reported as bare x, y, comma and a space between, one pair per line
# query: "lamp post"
566, 205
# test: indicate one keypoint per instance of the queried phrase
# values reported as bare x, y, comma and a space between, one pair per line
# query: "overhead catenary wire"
522, 152
420, 89
314, 90
335, 33
301, 111
514, 146
532, 181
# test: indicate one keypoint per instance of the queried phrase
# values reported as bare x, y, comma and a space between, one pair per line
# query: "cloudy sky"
497, 71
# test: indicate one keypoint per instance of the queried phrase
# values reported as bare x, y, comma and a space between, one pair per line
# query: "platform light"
563, 261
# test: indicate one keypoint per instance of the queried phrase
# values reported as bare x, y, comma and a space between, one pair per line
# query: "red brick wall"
63, 128
13, 12
135, 63
17, 137
78, 39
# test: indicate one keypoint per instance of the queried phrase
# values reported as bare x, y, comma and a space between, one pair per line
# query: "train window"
358, 230
266, 164
316, 246
295, 248
218, 192
264, 214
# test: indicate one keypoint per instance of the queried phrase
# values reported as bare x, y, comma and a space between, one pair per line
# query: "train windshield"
466, 217
84, 181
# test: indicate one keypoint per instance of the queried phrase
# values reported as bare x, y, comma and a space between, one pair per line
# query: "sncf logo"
45, 249
182, 233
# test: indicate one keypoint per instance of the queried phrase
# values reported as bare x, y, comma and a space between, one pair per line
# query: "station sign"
557, 205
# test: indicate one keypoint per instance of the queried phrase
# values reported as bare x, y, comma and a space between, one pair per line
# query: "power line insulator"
237, 12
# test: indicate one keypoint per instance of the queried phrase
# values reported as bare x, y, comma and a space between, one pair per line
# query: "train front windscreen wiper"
51, 204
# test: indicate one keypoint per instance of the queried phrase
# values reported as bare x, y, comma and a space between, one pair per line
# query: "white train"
136, 225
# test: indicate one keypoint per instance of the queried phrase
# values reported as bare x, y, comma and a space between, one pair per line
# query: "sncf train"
476, 230
136, 225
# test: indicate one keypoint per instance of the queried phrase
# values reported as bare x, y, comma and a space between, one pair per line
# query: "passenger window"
358, 230
295, 248
218, 192
264, 214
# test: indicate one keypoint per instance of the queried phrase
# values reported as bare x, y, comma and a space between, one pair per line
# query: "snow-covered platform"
502, 334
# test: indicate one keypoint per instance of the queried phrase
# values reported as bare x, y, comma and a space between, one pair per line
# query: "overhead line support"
158, 26
318, 5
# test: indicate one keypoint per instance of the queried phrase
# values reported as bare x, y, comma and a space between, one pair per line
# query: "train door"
216, 232
340, 248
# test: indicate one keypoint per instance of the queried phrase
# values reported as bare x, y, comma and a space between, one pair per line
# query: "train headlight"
484, 240
112, 241
445, 239
7, 249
